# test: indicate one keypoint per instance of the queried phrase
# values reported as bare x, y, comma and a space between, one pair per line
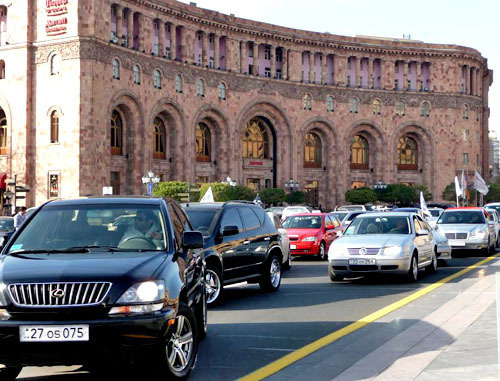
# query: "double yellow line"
299, 354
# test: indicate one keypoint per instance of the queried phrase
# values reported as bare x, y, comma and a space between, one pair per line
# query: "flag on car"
458, 189
423, 206
208, 196
480, 184
257, 200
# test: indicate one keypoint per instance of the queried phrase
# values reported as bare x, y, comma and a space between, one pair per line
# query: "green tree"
240, 192
271, 196
225, 192
296, 197
425, 190
494, 193
361, 196
449, 193
170, 189
399, 193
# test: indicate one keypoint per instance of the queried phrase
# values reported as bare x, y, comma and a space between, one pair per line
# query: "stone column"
273, 61
357, 80
467, 80
217, 52
187, 43
340, 70
130, 28
173, 41
295, 65
473, 77
371, 79
243, 57
204, 49
142, 31
119, 23
312, 70
405, 75
284, 63
324, 60
255, 59
161, 38
420, 86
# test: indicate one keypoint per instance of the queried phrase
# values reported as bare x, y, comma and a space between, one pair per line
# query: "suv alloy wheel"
213, 285
271, 276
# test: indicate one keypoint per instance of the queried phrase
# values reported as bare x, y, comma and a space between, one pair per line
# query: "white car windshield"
462, 217
379, 225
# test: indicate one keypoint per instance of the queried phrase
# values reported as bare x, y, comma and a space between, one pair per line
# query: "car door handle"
267, 239
246, 242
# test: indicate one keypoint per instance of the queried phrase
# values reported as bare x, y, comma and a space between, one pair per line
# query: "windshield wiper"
76, 249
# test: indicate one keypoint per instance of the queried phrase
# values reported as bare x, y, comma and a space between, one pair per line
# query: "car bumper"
383, 265
128, 337
304, 248
471, 244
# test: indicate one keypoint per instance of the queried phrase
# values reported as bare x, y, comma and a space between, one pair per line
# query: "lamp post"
230, 181
150, 180
291, 184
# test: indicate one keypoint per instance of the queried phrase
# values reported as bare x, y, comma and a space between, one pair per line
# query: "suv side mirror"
230, 230
329, 227
192, 240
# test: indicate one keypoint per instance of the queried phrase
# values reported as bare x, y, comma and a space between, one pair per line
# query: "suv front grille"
456, 235
66, 294
369, 251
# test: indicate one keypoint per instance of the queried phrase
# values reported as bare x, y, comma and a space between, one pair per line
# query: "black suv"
85, 280
241, 244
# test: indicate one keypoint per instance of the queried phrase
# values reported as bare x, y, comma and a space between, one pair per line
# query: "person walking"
20, 217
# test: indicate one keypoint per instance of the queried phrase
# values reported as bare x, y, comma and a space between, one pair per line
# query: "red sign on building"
256, 162
56, 25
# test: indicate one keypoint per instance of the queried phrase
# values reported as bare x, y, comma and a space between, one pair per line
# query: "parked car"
351, 208
386, 243
435, 212
6, 228
284, 242
443, 248
312, 233
467, 228
346, 217
493, 205
493, 217
74, 290
241, 244
291, 210
278, 210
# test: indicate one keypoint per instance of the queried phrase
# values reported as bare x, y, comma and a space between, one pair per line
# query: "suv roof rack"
240, 201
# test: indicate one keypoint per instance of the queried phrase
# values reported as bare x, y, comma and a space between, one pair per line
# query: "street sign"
22, 189
150, 189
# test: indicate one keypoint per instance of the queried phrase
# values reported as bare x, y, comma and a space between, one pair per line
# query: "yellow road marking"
300, 353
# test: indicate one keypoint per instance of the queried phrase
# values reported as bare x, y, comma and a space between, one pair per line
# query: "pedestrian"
20, 217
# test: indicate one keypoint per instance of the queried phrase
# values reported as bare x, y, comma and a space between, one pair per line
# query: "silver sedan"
395, 243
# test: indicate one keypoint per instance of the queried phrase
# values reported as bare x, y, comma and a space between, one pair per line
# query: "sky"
474, 24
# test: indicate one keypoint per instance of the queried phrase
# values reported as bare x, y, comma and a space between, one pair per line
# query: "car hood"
460, 228
41, 268
372, 240
301, 233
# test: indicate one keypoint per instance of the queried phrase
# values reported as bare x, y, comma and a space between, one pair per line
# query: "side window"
335, 221
232, 218
418, 226
182, 216
277, 222
176, 226
261, 214
250, 218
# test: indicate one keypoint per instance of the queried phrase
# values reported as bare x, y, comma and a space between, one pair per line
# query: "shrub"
296, 197
272, 196
361, 196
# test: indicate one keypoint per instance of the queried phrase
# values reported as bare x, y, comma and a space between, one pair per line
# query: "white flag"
208, 196
423, 205
458, 189
480, 184
463, 184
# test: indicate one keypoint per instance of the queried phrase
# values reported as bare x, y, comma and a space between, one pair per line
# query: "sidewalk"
448, 338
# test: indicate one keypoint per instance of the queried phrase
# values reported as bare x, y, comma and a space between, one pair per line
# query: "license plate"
293, 247
362, 261
48, 333
456, 242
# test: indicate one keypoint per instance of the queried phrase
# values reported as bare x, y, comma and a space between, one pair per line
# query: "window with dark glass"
159, 139
312, 151
400, 108
116, 69
425, 109
249, 218
231, 217
115, 182
253, 184
137, 75
359, 152
407, 153
307, 102
255, 140
116, 133
3, 133
353, 105
203, 142
54, 127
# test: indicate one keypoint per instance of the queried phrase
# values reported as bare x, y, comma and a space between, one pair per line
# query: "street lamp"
291, 184
379, 185
230, 181
150, 180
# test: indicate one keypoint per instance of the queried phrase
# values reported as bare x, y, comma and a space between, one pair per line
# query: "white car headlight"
310, 239
145, 292
478, 233
337, 252
392, 250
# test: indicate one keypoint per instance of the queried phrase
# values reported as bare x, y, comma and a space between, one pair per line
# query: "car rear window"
249, 217
303, 222
202, 220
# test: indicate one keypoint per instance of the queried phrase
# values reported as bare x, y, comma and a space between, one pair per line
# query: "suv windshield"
379, 225
202, 220
68, 227
303, 222
462, 217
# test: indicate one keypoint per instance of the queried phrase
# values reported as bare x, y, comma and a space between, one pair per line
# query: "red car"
312, 233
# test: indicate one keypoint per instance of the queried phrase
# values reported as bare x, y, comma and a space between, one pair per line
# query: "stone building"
95, 93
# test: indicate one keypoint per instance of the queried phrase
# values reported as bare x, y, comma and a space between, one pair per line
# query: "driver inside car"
145, 227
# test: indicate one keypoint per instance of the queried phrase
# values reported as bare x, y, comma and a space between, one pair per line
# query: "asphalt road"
251, 329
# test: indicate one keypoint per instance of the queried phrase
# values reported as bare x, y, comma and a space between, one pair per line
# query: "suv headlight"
478, 233
142, 297
392, 250
310, 239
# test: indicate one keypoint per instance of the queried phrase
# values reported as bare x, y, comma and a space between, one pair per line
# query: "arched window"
353, 105
159, 133
157, 79
203, 142
466, 134
116, 69
54, 127
425, 109
466, 111
255, 140
137, 75
178, 83
400, 108
55, 64
222, 91
116, 133
312, 151
407, 153
307, 102
3, 133
329, 104
2, 69
359, 152
377, 107
200, 88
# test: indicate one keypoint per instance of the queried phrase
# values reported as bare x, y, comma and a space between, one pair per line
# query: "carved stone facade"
175, 66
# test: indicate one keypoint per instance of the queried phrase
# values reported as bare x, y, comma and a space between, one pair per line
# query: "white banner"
423, 205
208, 196
458, 188
480, 184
